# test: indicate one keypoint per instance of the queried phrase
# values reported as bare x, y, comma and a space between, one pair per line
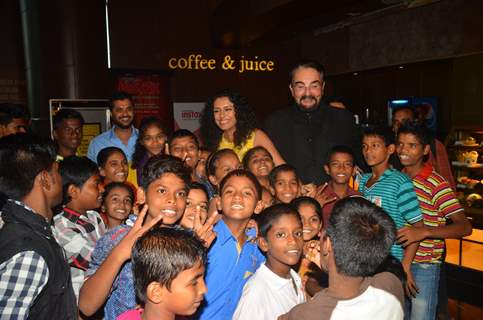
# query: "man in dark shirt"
305, 131
35, 281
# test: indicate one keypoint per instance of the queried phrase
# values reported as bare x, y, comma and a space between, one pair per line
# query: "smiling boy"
275, 288
233, 257
164, 190
340, 168
438, 203
284, 183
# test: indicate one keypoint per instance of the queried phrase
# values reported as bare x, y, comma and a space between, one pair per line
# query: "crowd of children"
182, 232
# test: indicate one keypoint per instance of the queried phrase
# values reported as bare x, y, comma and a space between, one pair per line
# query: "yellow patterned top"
240, 151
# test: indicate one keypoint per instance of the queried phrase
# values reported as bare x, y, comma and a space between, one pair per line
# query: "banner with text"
187, 115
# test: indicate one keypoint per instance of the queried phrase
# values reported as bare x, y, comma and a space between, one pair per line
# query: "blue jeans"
426, 276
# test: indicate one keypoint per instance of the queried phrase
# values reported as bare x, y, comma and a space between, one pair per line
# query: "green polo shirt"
393, 192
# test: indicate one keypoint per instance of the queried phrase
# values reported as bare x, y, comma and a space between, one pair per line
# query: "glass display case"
465, 151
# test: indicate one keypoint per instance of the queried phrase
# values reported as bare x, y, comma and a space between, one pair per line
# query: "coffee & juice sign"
242, 64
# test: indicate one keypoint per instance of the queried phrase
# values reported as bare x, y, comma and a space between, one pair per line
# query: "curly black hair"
246, 121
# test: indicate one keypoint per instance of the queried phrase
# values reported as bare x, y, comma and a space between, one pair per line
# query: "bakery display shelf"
465, 165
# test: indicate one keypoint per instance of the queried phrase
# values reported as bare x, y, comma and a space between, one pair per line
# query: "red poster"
151, 96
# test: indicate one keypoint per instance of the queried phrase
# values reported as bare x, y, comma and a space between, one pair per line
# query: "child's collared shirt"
437, 202
330, 193
227, 271
78, 234
267, 296
393, 192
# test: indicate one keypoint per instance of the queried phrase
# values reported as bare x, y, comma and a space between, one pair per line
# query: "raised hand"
321, 198
312, 252
124, 247
252, 224
308, 190
204, 231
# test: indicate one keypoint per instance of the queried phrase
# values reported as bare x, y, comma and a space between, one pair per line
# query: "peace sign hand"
124, 247
205, 231
308, 190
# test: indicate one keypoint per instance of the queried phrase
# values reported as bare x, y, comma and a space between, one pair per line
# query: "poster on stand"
150, 94
187, 116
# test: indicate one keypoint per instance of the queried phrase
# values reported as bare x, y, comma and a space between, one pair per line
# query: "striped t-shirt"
437, 202
394, 193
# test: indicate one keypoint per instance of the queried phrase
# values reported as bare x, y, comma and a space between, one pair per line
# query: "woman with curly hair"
228, 122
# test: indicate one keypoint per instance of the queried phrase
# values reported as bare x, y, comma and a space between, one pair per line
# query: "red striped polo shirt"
437, 202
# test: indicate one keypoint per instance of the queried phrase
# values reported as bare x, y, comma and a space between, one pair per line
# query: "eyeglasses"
302, 87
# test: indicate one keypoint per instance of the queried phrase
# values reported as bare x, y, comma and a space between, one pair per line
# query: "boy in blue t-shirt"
233, 257
392, 191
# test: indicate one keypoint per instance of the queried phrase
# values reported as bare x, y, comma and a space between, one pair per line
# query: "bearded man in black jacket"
305, 131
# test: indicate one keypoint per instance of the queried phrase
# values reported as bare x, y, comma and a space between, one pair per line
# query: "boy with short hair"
234, 256
164, 190
14, 118
78, 227
168, 267
356, 241
185, 145
438, 203
34, 275
275, 288
391, 190
67, 125
438, 156
340, 168
284, 183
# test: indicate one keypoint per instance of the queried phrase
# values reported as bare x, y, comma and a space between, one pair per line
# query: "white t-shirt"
381, 298
267, 295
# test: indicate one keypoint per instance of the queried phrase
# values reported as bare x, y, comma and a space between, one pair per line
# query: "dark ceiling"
238, 24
